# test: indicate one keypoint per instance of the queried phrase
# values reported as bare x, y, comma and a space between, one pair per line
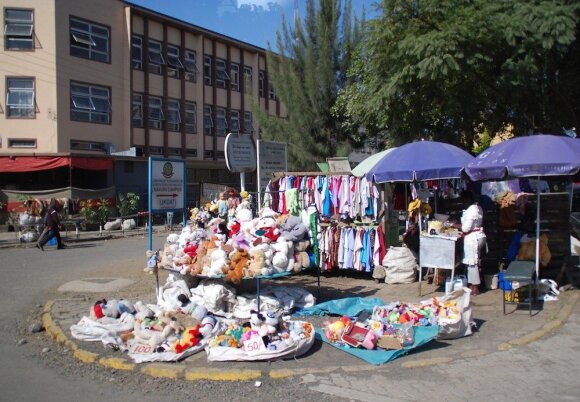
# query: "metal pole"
538, 230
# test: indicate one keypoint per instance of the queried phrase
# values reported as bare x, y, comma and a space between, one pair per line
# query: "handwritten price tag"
254, 346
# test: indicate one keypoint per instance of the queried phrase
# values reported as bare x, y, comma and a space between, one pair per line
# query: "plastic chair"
522, 272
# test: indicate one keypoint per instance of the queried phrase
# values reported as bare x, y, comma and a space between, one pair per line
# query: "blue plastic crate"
501, 284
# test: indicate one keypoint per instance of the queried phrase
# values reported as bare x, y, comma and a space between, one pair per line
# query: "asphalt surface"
324, 366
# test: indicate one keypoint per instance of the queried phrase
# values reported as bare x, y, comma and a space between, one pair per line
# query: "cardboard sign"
254, 346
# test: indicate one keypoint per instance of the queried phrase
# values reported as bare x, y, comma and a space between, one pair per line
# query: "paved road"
543, 370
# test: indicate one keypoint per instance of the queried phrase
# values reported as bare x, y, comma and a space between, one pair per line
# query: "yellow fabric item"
413, 205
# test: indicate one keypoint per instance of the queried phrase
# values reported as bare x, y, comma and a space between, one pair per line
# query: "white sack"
400, 265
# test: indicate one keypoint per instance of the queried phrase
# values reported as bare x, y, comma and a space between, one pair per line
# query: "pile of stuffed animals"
238, 247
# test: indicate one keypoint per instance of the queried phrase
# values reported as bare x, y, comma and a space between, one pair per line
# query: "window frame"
15, 38
190, 73
235, 77
173, 111
88, 40
33, 143
221, 122
137, 106
156, 123
31, 114
137, 64
190, 114
248, 123
208, 124
90, 109
207, 69
261, 83
155, 49
248, 78
271, 92
175, 69
235, 117
221, 73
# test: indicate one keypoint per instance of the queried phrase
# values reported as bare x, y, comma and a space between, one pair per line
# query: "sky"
251, 21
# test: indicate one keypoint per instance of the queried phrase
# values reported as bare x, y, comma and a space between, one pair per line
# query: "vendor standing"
473, 239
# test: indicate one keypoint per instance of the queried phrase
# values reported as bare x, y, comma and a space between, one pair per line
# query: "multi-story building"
85, 79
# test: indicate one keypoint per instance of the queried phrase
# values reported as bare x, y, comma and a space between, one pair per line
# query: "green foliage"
23, 198
127, 203
444, 69
307, 71
95, 212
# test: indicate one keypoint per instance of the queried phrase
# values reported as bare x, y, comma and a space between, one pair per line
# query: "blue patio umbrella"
536, 156
419, 161
363, 168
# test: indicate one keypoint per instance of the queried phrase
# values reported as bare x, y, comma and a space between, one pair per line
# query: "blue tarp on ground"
380, 356
350, 306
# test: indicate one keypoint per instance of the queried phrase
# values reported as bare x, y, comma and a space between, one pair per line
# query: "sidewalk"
12, 239
496, 332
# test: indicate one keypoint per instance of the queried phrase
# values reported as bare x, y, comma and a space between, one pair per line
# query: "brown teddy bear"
239, 260
301, 257
256, 264
527, 251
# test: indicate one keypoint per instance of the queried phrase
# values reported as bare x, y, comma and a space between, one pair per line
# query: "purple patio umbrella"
532, 156
419, 161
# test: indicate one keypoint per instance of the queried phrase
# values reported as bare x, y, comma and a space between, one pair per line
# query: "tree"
307, 71
450, 69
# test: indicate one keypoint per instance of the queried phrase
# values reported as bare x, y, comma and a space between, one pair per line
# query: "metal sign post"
272, 157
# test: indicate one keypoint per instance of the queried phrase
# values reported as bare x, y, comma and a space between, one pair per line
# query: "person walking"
51, 227
473, 239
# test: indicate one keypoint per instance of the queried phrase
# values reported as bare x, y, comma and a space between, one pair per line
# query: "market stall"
418, 163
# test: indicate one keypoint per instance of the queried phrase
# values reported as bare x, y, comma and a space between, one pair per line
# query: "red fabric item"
382, 245
20, 164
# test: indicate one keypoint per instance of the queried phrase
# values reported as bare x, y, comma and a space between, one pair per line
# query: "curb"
161, 370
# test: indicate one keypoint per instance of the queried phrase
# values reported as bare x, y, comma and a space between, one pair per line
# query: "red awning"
20, 164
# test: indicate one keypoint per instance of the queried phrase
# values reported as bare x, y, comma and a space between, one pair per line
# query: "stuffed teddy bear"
527, 251
239, 260
256, 264
293, 229
280, 257
301, 257
219, 259
152, 261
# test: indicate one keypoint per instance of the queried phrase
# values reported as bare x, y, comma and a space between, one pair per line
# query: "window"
20, 97
156, 150
261, 83
156, 60
248, 123
220, 155
248, 78
89, 40
190, 66
90, 103
21, 143
207, 120
18, 29
271, 92
174, 151
137, 52
87, 146
173, 115
174, 64
155, 112
192, 153
221, 74
208, 154
235, 76
235, 121
190, 117
221, 123
137, 110
207, 69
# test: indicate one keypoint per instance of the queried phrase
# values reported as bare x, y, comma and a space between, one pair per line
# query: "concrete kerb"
161, 370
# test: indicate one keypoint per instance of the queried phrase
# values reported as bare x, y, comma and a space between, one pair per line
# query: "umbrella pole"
538, 230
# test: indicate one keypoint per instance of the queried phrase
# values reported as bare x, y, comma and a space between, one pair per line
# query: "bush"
127, 203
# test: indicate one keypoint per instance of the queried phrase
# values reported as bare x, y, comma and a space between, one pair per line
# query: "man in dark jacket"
51, 227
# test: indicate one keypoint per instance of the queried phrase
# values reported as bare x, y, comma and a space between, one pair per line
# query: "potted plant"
127, 204
89, 215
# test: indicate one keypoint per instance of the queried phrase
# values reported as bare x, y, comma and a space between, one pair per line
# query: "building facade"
86, 79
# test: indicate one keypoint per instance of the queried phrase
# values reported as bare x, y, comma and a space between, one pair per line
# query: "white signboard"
272, 158
240, 153
167, 184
